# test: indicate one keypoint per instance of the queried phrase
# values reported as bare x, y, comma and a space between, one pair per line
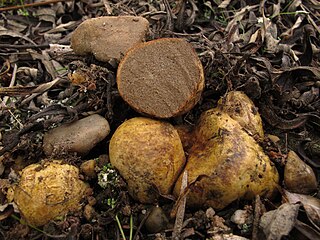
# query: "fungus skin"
149, 155
47, 191
225, 164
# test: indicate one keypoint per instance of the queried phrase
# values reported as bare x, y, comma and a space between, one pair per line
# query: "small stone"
241, 217
228, 237
210, 213
298, 176
273, 138
156, 221
2, 167
218, 226
109, 37
89, 212
126, 210
80, 136
92, 200
88, 168
86, 231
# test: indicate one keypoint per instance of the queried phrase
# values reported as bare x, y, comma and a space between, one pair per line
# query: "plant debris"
267, 49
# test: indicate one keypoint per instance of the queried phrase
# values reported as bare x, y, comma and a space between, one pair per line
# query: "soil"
268, 49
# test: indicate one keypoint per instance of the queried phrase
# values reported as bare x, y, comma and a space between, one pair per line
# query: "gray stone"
80, 136
109, 37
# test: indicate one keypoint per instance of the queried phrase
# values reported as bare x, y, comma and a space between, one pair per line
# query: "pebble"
241, 217
298, 176
109, 37
156, 221
273, 138
88, 168
89, 212
79, 137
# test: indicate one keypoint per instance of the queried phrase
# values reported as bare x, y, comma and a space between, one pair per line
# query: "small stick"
24, 46
12, 82
32, 5
258, 211
176, 234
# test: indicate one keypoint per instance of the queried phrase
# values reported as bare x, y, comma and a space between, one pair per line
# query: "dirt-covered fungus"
47, 191
149, 156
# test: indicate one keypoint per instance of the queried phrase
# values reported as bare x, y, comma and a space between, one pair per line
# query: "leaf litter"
268, 49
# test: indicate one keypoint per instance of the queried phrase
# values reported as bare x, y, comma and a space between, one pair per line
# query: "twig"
176, 234
7, 63
5, 98
258, 211
42, 46
135, 237
170, 16
12, 82
32, 5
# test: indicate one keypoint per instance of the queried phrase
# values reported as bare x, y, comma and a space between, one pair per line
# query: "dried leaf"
313, 4
276, 10
294, 5
16, 91
270, 35
12, 25
57, 49
239, 16
284, 79
107, 7
28, 71
311, 21
273, 119
46, 14
290, 31
26, 90
224, 4
259, 209
278, 223
176, 234
5, 211
15, 35
64, 27
41, 89
227, 237
310, 204
306, 230
255, 36
46, 60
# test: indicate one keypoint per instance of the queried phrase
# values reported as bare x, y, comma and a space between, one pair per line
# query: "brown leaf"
176, 234
46, 14
310, 204
16, 91
239, 16
306, 230
224, 4
284, 79
6, 212
25, 90
14, 34
278, 223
